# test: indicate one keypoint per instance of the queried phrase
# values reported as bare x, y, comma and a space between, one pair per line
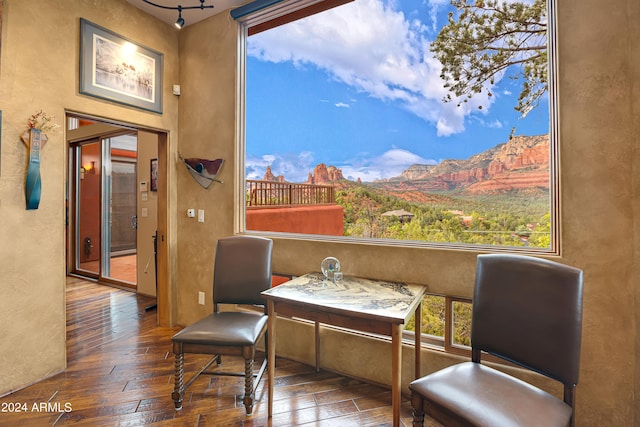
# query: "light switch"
145, 212
200, 215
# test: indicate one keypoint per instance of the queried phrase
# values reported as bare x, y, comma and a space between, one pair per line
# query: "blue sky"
357, 87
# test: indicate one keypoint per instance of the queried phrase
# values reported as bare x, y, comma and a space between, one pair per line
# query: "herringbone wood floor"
120, 373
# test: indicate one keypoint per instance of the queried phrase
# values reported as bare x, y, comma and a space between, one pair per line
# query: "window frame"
271, 14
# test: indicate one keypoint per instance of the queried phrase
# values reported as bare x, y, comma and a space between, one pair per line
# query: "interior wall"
208, 61
597, 139
147, 214
634, 53
40, 71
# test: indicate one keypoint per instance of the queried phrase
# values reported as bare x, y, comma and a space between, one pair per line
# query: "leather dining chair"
527, 311
242, 271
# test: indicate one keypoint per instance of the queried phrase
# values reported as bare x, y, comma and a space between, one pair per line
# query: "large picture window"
403, 122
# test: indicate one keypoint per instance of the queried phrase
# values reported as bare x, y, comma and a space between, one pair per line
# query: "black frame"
95, 40
153, 175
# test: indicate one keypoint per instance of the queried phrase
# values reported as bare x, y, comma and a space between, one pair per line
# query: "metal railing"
274, 193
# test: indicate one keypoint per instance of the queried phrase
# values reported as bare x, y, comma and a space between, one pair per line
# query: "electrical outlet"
201, 298
200, 215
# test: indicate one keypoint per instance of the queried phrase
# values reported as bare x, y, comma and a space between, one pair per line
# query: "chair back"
242, 270
529, 311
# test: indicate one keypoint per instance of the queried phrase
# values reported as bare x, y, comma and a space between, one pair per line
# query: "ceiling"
190, 16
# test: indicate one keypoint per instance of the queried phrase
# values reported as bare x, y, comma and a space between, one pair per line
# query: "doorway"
104, 212
112, 210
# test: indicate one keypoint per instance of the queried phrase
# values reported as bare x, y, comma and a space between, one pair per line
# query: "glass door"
105, 208
88, 203
120, 215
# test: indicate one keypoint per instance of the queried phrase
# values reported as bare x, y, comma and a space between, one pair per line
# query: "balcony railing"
273, 193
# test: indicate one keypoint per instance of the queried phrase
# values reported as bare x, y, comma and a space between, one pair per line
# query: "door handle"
134, 222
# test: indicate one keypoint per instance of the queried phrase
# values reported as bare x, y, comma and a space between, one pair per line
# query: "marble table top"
352, 294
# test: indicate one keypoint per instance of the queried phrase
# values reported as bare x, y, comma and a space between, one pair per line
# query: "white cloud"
375, 49
342, 105
434, 7
391, 163
296, 167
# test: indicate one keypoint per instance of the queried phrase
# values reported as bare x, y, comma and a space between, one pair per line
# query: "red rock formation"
268, 175
324, 175
521, 163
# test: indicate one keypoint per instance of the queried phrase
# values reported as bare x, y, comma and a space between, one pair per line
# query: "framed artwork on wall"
117, 69
153, 175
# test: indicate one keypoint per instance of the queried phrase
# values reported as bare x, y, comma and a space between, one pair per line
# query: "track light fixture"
180, 21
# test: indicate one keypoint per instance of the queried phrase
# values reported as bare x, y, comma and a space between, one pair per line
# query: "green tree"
484, 38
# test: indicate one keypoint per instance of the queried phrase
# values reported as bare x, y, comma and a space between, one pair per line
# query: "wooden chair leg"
248, 386
418, 410
178, 389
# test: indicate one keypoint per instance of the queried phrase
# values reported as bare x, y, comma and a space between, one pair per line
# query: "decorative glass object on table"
330, 267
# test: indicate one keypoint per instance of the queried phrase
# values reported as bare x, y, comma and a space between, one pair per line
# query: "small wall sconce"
89, 168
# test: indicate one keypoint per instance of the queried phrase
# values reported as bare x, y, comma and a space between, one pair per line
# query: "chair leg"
178, 389
248, 386
418, 410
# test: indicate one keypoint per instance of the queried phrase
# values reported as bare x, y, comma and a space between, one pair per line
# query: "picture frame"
115, 68
153, 175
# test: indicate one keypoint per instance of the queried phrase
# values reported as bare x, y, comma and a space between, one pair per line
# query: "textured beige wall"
634, 49
598, 129
598, 136
147, 225
40, 53
207, 130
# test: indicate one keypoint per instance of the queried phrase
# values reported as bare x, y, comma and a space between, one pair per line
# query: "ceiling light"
180, 21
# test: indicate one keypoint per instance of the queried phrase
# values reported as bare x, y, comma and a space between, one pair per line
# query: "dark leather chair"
242, 271
527, 311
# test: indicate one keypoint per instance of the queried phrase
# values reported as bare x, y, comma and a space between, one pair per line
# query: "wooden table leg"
271, 356
317, 334
396, 372
418, 341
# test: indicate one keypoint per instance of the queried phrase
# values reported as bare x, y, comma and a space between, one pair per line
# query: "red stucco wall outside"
316, 219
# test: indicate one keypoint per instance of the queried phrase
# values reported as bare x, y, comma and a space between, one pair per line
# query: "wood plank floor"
120, 373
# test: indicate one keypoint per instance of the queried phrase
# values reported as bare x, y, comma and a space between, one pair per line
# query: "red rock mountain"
323, 174
269, 176
522, 163
519, 164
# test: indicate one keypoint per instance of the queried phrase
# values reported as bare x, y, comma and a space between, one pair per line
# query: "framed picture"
153, 175
117, 69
